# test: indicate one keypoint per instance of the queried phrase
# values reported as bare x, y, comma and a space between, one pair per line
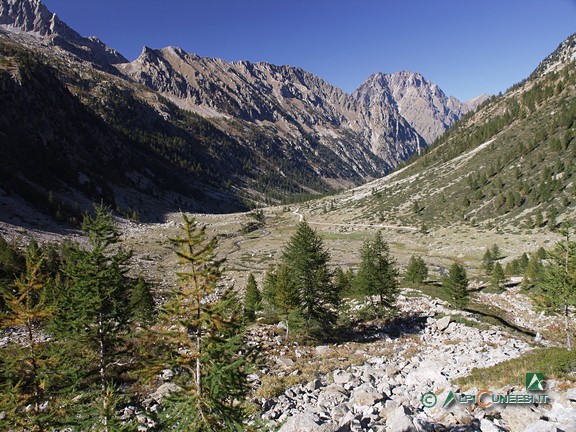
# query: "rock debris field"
385, 392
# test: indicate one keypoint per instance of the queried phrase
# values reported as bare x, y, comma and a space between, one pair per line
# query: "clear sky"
467, 47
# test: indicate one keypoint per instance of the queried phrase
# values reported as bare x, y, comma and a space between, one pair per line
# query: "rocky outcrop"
33, 17
564, 54
422, 103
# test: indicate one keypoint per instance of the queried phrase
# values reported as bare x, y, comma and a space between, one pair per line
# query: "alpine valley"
385, 247
172, 130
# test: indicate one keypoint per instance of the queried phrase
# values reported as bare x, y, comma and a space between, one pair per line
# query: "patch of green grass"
433, 291
398, 245
554, 363
344, 235
468, 322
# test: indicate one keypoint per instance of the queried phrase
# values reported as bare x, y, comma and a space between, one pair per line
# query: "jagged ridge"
32, 17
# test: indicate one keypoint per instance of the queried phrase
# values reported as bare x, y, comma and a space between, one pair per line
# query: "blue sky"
467, 47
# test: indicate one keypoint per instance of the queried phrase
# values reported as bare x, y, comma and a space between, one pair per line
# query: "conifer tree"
513, 268
556, 288
497, 278
378, 275
269, 287
252, 298
533, 272
11, 264
488, 261
308, 291
416, 272
456, 285
495, 252
25, 367
523, 262
93, 314
199, 336
342, 282
142, 304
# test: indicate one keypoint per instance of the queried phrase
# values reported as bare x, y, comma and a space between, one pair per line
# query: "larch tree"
456, 286
497, 278
252, 298
488, 261
199, 336
93, 315
25, 365
142, 304
342, 282
416, 271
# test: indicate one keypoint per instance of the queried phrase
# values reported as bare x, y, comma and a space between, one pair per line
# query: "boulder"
299, 423
565, 417
342, 377
323, 350
518, 417
399, 420
443, 323
313, 385
164, 390
365, 395
487, 426
285, 362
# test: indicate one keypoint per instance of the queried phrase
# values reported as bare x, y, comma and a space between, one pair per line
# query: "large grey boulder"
442, 323
399, 421
300, 423
365, 395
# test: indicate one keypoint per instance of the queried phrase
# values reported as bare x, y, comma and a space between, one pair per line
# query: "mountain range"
508, 166
173, 130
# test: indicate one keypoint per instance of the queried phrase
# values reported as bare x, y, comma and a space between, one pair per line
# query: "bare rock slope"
422, 103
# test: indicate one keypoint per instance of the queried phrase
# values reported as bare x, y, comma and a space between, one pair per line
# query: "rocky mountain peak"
422, 103
296, 105
33, 17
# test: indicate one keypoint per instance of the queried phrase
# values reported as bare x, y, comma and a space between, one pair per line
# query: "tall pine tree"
142, 304
556, 290
308, 280
416, 271
456, 286
497, 278
377, 276
25, 368
252, 298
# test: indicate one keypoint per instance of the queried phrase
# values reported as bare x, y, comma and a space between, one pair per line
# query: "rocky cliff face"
288, 100
422, 103
32, 18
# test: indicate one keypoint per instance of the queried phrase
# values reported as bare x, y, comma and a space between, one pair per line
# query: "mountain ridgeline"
172, 130
511, 161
